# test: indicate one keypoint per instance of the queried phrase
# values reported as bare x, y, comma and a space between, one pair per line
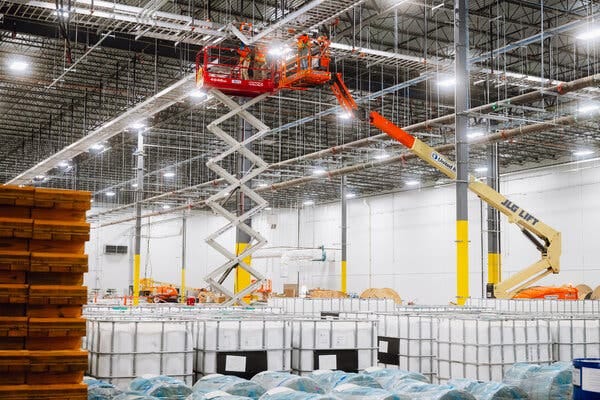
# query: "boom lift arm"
546, 239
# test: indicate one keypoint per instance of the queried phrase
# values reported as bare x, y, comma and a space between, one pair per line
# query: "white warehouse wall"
403, 240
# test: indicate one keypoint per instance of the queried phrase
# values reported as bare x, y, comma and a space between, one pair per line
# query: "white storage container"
123, 349
348, 345
483, 347
539, 305
416, 342
576, 337
242, 347
309, 307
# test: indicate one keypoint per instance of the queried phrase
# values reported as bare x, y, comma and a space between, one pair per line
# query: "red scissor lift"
219, 67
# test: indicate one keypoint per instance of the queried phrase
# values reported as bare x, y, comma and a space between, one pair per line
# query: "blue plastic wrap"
328, 379
388, 376
272, 379
283, 393
215, 395
489, 390
551, 382
162, 387
349, 391
134, 396
100, 390
418, 390
231, 384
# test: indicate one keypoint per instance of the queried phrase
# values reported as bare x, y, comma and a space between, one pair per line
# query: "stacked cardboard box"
42, 262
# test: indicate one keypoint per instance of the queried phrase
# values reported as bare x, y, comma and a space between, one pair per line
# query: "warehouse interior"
378, 199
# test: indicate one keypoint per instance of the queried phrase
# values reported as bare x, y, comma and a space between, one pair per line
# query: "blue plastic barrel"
586, 379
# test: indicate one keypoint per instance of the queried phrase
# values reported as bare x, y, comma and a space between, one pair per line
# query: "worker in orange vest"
303, 50
244, 61
260, 63
324, 56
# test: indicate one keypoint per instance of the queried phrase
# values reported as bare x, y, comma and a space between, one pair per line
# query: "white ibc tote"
297, 305
349, 345
416, 338
483, 347
121, 349
230, 339
575, 336
539, 305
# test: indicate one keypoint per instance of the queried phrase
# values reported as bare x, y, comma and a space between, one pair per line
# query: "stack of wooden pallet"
42, 262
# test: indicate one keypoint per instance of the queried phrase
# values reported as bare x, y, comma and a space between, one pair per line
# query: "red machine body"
219, 68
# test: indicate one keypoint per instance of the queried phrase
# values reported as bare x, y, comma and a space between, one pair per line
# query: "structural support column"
182, 295
343, 271
243, 278
139, 196
461, 47
493, 228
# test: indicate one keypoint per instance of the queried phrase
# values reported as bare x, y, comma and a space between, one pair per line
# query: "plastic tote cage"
484, 346
242, 347
312, 307
346, 345
121, 349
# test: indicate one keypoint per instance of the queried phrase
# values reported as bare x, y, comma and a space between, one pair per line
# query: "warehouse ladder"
241, 183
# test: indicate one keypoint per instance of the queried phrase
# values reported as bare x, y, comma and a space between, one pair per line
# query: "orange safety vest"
260, 57
243, 53
303, 41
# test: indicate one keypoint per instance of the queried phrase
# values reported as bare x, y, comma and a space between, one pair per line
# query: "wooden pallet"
11, 244
13, 367
57, 294
13, 294
53, 311
55, 246
56, 366
45, 343
44, 392
62, 199
57, 214
12, 327
16, 196
59, 262
12, 277
17, 228
15, 212
60, 230
56, 327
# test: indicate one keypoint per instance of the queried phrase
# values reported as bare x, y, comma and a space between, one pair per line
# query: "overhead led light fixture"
447, 82
412, 183
474, 133
319, 171
583, 153
137, 125
110, 193
197, 94
268, 208
97, 147
591, 34
381, 156
481, 169
134, 185
308, 203
63, 164
589, 108
39, 178
166, 206
169, 174
350, 195
18, 65
262, 185
345, 115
